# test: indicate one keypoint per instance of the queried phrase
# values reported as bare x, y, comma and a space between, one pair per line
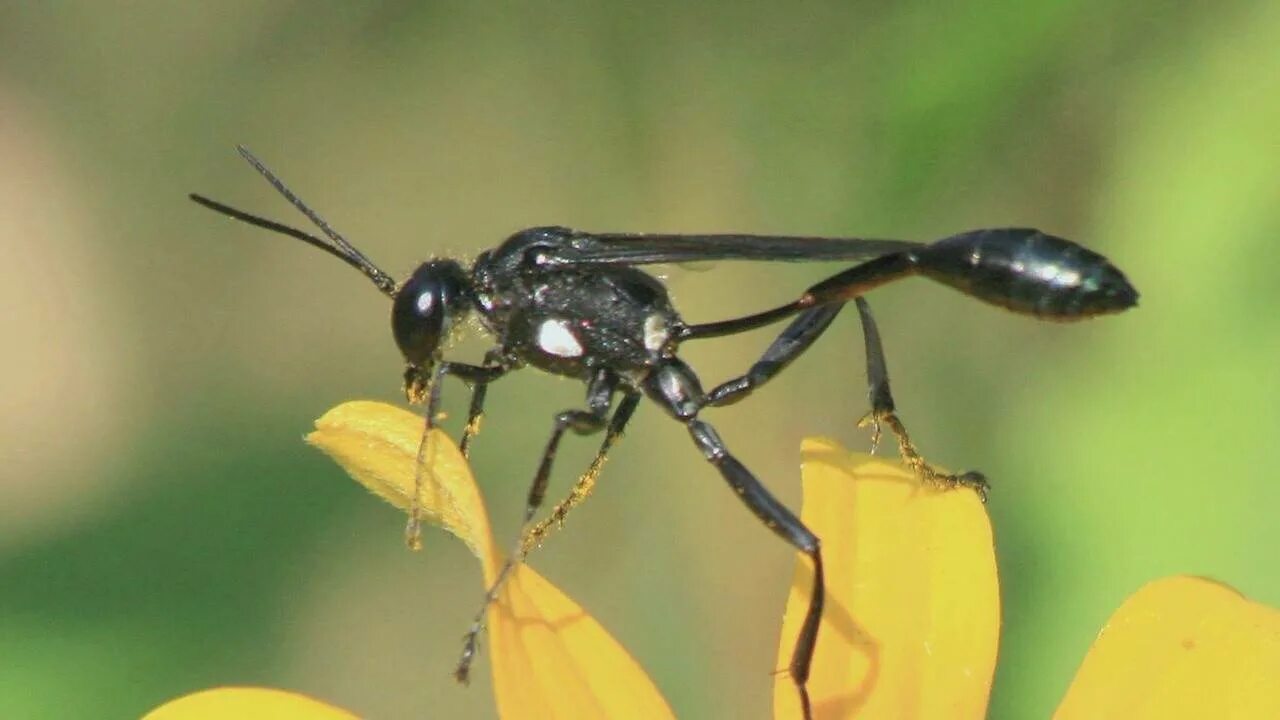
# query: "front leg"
424, 387
495, 366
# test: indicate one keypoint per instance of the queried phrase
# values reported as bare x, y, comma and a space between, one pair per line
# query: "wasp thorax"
425, 308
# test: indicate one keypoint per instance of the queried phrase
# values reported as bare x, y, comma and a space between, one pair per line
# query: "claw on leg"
912, 458
470, 646
874, 421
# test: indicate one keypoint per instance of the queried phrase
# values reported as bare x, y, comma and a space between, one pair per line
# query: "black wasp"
576, 304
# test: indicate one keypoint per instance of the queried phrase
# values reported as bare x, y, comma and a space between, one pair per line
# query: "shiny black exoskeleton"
577, 304
580, 320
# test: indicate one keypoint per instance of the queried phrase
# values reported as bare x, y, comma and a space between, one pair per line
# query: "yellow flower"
247, 703
910, 630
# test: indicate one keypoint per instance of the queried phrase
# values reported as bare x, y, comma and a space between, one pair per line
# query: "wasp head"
425, 308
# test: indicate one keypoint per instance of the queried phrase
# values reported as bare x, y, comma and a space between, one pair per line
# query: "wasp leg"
474, 413
837, 289
599, 398
586, 483
479, 376
418, 389
675, 388
788, 346
786, 525
882, 411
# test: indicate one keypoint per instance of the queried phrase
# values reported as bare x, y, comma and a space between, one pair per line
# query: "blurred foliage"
162, 527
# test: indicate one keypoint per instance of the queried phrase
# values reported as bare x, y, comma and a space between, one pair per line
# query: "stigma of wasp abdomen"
1028, 272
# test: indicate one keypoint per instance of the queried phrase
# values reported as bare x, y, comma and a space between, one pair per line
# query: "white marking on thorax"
556, 337
655, 333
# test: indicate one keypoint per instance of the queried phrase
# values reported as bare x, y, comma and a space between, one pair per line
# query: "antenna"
340, 248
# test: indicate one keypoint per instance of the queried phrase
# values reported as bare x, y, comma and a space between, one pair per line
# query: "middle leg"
599, 397
586, 483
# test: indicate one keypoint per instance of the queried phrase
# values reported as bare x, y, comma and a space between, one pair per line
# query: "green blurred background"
163, 528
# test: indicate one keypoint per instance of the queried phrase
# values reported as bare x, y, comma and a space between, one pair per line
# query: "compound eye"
423, 310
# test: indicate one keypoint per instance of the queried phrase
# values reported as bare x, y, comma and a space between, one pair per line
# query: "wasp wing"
647, 249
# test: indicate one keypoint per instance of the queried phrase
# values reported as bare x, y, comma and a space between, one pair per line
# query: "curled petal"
377, 444
1181, 647
550, 659
247, 703
912, 616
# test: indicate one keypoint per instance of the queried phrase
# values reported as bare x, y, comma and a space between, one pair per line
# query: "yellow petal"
912, 618
246, 703
1181, 647
377, 444
550, 659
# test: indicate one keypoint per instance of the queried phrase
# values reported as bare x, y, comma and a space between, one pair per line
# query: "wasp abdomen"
1028, 272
